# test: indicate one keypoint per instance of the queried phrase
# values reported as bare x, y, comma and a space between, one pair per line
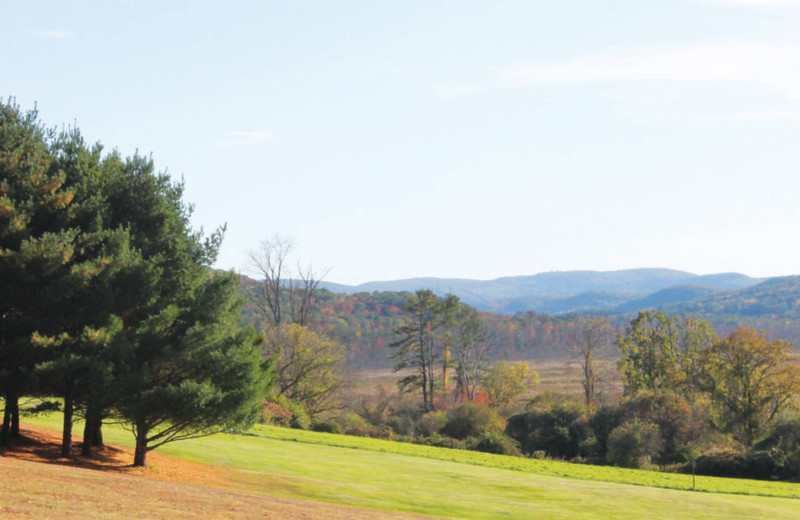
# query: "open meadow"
384, 476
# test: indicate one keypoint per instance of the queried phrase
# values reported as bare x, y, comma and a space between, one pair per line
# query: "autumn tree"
750, 379
505, 383
659, 352
307, 366
422, 342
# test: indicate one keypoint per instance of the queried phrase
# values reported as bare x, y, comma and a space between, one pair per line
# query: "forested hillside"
365, 321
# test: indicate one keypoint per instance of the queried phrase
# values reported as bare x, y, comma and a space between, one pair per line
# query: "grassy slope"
418, 479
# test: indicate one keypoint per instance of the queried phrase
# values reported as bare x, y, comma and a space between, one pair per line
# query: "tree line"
724, 405
108, 298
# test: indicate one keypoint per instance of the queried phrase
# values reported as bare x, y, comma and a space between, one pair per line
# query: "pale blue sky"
445, 138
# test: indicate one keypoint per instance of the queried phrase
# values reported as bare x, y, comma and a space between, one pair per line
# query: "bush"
401, 424
353, 424
326, 427
631, 445
496, 442
784, 437
281, 411
300, 419
442, 441
756, 465
604, 420
431, 423
790, 469
679, 422
471, 420
562, 431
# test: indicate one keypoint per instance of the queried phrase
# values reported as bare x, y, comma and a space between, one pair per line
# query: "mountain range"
624, 291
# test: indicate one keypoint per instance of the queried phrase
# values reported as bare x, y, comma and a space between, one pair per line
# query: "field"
561, 377
381, 475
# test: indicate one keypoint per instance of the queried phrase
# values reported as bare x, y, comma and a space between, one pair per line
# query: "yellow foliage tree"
750, 380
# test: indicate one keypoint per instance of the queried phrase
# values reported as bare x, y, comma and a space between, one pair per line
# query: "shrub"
496, 442
401, 424
632, 444
756, 464
353, 424
300, 419
274, 413
326, 427
679, 422
790, 469
604, 420
281, 411
431, 423
471, 420
561, 430
442, 441
784, 437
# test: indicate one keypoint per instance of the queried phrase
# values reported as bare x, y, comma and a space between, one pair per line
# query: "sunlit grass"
436, 481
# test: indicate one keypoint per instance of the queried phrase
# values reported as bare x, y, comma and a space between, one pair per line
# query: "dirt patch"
36, 483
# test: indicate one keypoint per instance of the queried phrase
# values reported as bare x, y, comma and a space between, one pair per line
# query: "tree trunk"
97, 432
86, 447
92, 432
14, 405
66, 437
140, 455
5, 437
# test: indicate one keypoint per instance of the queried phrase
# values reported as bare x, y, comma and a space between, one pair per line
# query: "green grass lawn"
451, 483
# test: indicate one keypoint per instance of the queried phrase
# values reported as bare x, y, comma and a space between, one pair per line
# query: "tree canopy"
109, 300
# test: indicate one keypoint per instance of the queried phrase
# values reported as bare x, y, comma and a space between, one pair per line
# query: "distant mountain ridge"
560, 292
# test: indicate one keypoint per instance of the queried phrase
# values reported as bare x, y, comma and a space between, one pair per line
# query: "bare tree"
301, 294
269, 262
308, 366
471, 347
592, 341
282, 290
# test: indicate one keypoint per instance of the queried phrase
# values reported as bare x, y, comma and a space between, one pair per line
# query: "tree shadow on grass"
41, 446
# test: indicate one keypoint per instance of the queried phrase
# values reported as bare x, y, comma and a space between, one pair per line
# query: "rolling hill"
774, 298
563, 292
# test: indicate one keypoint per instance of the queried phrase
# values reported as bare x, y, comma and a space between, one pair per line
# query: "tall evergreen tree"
183, 365
422, 344
108, 298
37, 249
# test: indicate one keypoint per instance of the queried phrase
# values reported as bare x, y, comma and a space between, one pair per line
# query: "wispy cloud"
54, 34
758, 3
747, 116
741, 62
248, 137
453, 90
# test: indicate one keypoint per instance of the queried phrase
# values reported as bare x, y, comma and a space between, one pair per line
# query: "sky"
463, 139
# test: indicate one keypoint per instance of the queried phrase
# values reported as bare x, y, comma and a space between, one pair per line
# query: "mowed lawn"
419, 479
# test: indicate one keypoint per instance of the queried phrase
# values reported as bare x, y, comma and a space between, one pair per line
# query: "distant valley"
533, 317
